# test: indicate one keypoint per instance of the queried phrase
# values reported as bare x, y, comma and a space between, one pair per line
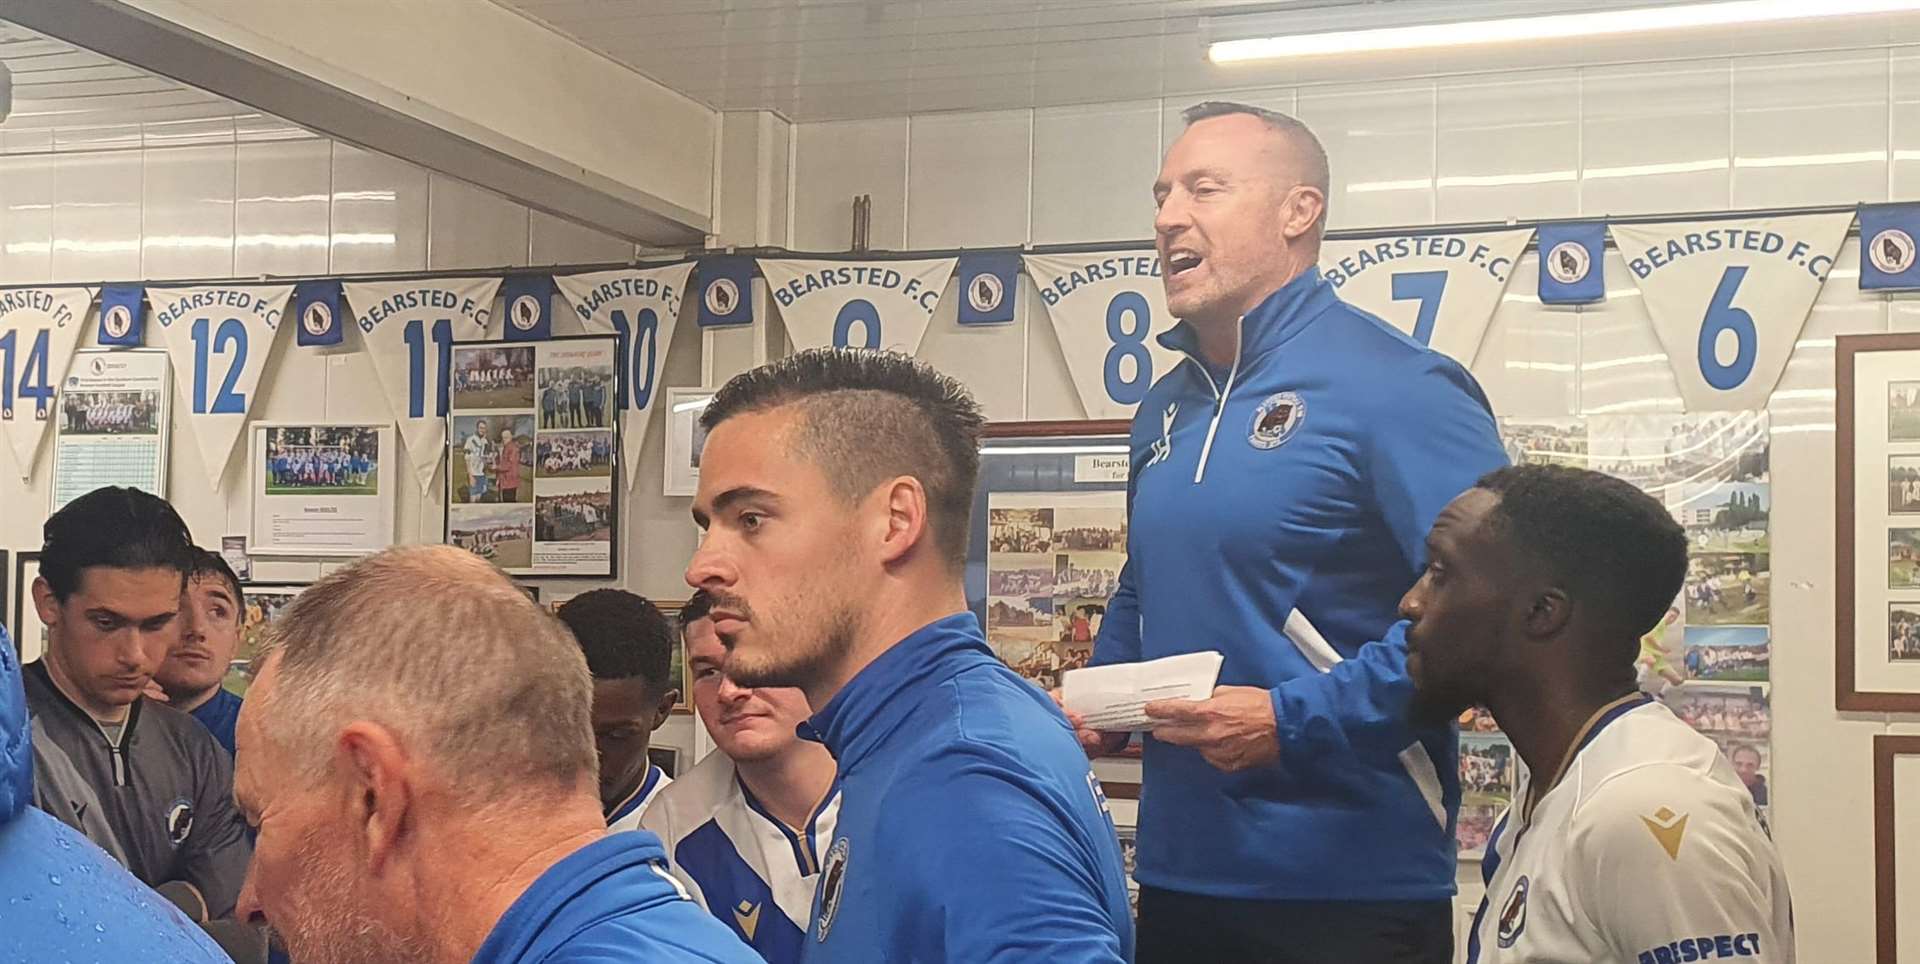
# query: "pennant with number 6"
220, 339
1728, 297
640, 305
39, 328
410, 328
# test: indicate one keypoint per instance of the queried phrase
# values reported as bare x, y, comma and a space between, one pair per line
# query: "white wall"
1698, 136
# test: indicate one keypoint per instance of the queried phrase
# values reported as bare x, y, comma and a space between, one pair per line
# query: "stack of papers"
1114, 698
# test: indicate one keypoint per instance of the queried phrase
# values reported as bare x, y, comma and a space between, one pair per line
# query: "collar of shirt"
548, 913
873, 702
1284, 314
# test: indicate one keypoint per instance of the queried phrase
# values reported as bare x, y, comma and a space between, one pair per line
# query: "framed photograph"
1877, 479
666, 758
532, 453
29, 635
685, 439
260, 605
677, 670
115, 412
321, 489
1896, 766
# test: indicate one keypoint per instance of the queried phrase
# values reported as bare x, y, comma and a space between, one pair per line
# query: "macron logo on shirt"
1703, 949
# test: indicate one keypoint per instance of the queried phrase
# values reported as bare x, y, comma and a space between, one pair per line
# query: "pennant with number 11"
410, 328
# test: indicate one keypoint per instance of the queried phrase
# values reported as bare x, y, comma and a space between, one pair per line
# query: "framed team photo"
1876, 423
321, 489
532, 455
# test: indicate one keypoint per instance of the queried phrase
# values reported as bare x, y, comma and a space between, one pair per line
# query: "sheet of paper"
1114, 698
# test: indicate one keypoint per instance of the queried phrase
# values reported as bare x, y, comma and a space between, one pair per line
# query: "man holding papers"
1283, 478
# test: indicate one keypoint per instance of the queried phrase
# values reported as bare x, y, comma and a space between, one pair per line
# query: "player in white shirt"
1630, 840
479, 455
744, 829
630, 647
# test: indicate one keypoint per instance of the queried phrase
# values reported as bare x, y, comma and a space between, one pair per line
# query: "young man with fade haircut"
835, 491
88, 906
197, 665
746, 828
1630, 839
424, 783
1282, 478
630, 648
112, 583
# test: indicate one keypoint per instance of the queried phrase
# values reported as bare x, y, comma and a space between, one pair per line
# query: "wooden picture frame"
1886, 749
1869, 426
24, 615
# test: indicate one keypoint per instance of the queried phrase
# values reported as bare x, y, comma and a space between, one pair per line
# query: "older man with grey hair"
430, 795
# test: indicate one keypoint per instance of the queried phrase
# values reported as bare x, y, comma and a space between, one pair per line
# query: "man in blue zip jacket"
1283, 480
835, 491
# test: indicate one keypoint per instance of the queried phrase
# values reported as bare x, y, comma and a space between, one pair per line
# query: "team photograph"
575, 455
492, 377
110, 413
1903, 412
579, 512
260, 606
323, 460
1903, 632
575, 396
491, 459
500, 534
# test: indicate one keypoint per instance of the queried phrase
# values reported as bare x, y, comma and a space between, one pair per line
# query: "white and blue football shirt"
627, 815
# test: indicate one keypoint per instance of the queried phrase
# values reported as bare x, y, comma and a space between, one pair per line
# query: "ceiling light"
1676, 16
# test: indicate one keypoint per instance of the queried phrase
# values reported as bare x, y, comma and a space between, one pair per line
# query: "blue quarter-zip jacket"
971, 828
1278, 510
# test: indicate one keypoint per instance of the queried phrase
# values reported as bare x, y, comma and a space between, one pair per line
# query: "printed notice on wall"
322, 489
114, 411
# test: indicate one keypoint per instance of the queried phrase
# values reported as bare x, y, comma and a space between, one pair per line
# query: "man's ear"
44, 603
905, 501
664, 709
380, 794
1548, 614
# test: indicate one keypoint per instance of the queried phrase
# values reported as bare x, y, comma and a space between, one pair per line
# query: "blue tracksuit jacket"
971, 828
1278, 511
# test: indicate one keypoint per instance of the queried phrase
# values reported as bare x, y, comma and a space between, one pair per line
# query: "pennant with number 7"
410, 328
640, 305
1728, 298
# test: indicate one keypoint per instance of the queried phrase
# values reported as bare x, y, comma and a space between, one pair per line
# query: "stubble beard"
331, 925
799, 663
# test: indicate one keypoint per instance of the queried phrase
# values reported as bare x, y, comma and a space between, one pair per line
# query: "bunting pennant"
39, 328
220, 339
123, 316
1439, 288
857, 304
529, 301
726, 291
1107, 309
317, 305
410, 328
1728, 297
1890, 246
1572, 263
988, 280
640, 305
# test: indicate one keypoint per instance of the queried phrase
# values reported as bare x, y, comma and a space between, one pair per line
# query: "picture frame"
324, 488
667, 758
677, 672
1887, 749
1877, 536
685, 439
88, 459
536, 493
29, 635
260, 604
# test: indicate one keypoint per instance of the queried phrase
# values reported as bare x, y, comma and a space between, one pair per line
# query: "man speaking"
1283, 480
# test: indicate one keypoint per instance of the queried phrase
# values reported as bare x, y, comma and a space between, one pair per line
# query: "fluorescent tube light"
1555, 27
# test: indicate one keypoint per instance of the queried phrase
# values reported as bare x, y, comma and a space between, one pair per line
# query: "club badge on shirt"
833, 879
1513, 918
179, 821
1277, 419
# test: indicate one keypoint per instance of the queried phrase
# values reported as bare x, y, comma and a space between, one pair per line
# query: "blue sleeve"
1028, 897
1434, 442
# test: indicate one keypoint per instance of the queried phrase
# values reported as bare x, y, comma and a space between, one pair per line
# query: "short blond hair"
440, 646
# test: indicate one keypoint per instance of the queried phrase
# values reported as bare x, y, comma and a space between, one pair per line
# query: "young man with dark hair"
112, 580
630, 647
835, 490
746, 828
1631, 839
197, 665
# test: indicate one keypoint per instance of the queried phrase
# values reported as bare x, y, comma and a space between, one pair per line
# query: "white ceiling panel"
57, 85
814, 60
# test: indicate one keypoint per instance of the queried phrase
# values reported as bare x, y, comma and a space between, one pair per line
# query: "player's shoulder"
691, 799
1649, 775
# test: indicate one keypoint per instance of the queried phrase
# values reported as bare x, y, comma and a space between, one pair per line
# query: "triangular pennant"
640, 305
857, 304
410, 328
39, 328
1728, 298
1107, 309
1439, 288
220, 338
